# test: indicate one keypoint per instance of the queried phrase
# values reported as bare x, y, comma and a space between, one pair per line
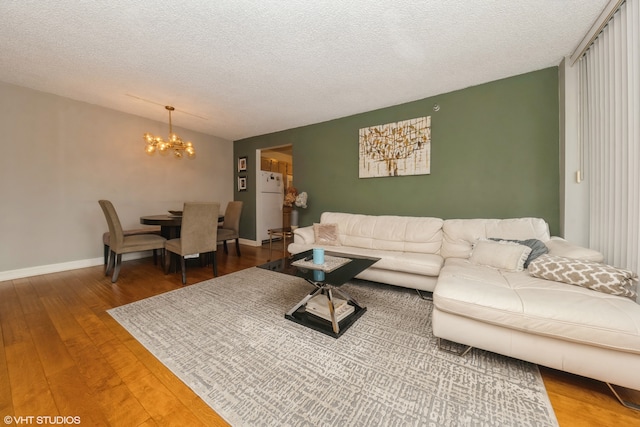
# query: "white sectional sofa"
408, 247
554, 324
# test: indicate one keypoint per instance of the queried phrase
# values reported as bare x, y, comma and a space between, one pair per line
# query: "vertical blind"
610, 136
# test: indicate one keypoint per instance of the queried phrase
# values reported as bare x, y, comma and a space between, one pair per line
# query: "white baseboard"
250, 242
64, 266
83, 263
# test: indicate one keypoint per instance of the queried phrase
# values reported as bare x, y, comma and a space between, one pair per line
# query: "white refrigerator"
270, 197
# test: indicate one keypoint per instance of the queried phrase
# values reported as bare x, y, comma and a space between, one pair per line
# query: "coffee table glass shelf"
327, 308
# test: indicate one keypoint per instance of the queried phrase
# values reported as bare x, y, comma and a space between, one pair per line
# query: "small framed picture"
242, 164
242, 183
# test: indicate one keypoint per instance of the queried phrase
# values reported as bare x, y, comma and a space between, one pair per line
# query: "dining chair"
231, 226
106, 240
120, 244
198, 234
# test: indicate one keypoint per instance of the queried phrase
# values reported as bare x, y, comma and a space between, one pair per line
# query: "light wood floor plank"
30, 390
76, 399
14, 325
579, 401
162, 404
6, 403
178, 389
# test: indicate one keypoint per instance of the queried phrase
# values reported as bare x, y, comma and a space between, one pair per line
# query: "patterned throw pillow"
326, 234
592, 275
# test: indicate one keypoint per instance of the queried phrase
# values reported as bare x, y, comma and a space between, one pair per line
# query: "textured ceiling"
241, 68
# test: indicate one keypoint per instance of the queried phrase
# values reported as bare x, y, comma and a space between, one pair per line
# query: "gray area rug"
228, 340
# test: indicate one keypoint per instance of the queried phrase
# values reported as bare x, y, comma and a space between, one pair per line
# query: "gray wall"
494, 149
60, 156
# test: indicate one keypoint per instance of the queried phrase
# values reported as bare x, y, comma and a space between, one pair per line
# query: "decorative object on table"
242, 183
319, 306
176, 213
330, 263
174, 142
242, 164
295, 200
318, 256
295, 219
396, 149
290, 196
301, 200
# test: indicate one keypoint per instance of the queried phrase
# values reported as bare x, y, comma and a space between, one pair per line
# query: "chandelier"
174, 142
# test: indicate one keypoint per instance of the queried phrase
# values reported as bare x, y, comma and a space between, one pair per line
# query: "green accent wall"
494, 154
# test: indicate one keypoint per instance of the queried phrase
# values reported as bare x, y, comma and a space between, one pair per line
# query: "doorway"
274, 163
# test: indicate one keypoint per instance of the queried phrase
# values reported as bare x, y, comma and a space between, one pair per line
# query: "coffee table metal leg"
332, 311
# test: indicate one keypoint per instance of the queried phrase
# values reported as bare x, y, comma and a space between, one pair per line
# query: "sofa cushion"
519, 301
408, 262
387, 232
560, 247
591, 275
459, 235
501, 254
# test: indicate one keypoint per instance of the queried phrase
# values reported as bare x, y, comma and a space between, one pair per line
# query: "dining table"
169, 224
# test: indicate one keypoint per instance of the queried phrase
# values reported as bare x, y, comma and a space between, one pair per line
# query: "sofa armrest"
304, 235
561, 247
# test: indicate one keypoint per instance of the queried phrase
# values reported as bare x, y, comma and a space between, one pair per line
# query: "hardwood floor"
64, 356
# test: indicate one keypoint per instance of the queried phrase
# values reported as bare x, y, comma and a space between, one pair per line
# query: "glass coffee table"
327, 309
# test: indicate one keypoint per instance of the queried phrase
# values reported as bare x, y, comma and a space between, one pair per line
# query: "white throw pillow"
503, 255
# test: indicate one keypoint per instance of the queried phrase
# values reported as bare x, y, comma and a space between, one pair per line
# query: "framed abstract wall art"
396, 149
